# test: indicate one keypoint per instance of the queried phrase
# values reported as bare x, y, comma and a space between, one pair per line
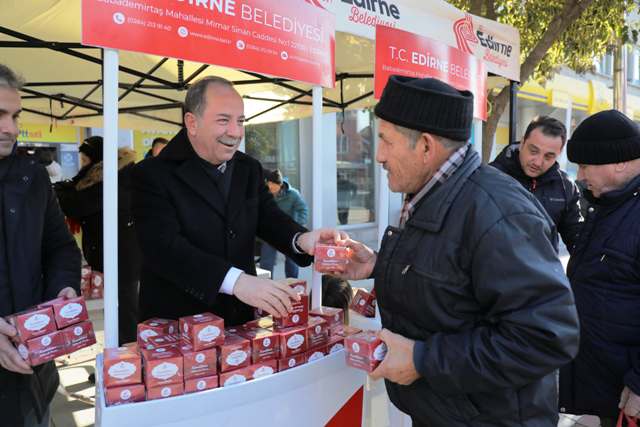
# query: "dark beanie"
427, 105
603, 138
92, 148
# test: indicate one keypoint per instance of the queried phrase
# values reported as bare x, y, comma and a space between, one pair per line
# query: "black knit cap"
603, 138
427, 105
92, 148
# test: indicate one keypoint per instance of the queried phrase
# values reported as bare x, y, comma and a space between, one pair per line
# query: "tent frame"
25, 41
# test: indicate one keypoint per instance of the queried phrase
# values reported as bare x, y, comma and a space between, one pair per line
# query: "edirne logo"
494, 51
463, 29
381, 7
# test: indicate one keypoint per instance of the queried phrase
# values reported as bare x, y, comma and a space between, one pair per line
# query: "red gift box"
79, 336
364, 350
96, 293
32, 323
336, 343
85, 282
364, 303
160, 341
162, 366
124, 394
317, 331
316, 353
121, 366
263, 369
264, 344
237, 376
326, 257
194, 385
333, 316
67, 311
234, 354
164, 391
155, 327
39, 350
291, 362
202, 331
97, 285
292, 341
299, 314
203, 363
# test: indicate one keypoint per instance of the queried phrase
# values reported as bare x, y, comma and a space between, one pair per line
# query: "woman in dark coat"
81, 200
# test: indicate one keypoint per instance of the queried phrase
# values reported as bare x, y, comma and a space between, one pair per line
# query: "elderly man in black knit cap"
477, 312
604, 271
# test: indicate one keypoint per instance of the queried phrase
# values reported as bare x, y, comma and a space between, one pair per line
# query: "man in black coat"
39, 261
477, 311
198, 208
604, 271
533, 163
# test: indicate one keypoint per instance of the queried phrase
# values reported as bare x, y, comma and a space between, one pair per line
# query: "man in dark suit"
198, 208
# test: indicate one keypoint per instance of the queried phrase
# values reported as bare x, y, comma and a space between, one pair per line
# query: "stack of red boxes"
52, 329
122, 375
163, 372
197, 353
91, 283
364, 303
85, 282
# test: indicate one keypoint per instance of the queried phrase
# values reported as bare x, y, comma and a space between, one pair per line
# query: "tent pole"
316, 184
110, 196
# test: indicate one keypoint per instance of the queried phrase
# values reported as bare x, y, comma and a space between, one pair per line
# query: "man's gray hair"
196, 101
414, 135
9, 79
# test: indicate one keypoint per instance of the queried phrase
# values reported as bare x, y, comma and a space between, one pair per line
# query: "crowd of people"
477, 311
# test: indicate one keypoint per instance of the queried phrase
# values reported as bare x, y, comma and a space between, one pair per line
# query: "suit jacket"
190, 236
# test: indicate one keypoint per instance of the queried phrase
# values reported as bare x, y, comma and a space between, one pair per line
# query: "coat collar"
180, 151
614, 198
432, 210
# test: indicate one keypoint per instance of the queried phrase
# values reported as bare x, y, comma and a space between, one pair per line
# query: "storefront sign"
34, 133
498, 45
407, 54
293, 39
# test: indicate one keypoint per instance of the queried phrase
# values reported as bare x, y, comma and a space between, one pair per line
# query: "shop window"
355, 167
276, 146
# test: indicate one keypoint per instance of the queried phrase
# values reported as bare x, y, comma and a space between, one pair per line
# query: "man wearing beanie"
533, 163
604, 271
476, 309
